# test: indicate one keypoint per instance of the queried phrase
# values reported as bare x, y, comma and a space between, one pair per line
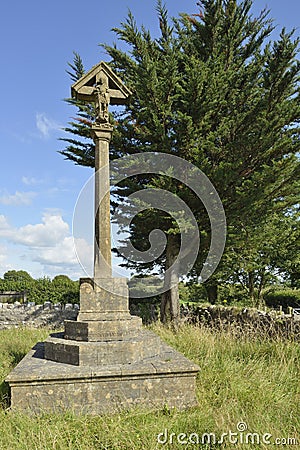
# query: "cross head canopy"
101, 77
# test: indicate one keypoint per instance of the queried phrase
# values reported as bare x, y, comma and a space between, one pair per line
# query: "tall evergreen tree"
215, 90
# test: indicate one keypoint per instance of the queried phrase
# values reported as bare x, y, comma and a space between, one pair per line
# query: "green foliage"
77, 68
214, 89
138, 290
17, 281
192, 293
17, 276
233, 294
255, 381
282, 297
60, 290
14, 344
80, 149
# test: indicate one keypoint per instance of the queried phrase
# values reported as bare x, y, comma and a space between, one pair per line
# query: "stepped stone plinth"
128, 350
39, 385
110, 329
99, 366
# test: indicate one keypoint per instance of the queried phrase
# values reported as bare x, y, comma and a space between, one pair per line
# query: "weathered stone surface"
128, 350
102, 247
83, 89
102, 330
39, 385
34, 316
108, 296
102, 363
101, 86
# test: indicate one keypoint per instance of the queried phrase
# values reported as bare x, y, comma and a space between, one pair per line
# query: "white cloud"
50, 244
47, 248
61, 253
85, 255
64, 252
4, 223
4, 267
17, 199
3, 254
45, 124
31, 181
5, 228
52, 230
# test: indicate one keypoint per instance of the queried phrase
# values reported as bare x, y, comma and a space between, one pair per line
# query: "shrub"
192, 293
233, 294
282, 297
60, 290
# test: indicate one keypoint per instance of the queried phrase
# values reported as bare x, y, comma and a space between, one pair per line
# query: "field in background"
243, 380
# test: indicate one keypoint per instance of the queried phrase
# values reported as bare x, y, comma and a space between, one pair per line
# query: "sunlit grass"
242, 379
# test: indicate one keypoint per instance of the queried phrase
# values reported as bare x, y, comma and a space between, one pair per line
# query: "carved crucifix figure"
102, 99
102, 87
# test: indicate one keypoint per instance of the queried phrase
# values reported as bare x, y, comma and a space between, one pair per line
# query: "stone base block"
103, 330
107, 296
39, 385
79, 353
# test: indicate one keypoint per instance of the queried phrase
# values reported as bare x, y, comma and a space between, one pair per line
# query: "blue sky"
38, 188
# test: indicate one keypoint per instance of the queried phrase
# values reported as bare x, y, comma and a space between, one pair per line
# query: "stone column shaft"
102, 245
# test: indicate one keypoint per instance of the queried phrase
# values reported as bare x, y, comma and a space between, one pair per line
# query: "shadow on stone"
39, 351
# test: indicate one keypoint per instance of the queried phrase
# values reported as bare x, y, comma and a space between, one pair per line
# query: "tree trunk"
170, 307
212, 292
251, 278
261, 286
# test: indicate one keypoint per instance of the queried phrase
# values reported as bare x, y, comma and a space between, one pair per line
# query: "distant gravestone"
104, 361
47, 305
68, 306
30, 304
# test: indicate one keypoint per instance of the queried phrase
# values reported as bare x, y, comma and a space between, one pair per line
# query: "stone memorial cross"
103, 87
104, 361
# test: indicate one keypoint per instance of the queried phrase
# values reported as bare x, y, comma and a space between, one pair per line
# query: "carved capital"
102, 132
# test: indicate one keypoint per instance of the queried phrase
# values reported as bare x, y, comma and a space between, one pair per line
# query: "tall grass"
242, 379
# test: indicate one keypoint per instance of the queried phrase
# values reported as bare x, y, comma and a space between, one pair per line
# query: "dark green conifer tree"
214, 89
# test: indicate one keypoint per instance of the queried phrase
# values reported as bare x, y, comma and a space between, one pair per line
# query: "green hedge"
59, 290
282, 297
